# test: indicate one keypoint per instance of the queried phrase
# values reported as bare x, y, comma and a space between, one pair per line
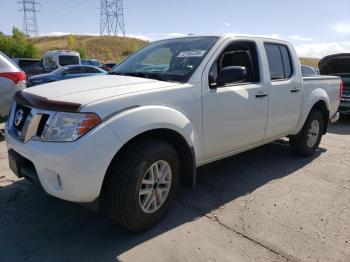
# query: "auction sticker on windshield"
196, 53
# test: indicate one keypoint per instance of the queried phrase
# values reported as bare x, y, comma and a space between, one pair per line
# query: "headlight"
66, 127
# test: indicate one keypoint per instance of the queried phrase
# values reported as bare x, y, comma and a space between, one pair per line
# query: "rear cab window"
280, 62
68, 60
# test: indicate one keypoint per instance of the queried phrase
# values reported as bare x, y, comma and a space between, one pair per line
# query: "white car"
131, 137
12, 79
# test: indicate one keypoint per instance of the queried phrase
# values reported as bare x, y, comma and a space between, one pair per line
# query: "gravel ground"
262, 205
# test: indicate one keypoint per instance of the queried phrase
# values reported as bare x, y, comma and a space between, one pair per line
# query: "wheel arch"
160, 122
185, 151
320, 105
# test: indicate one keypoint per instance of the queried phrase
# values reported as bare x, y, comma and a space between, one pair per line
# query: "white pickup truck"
131, 137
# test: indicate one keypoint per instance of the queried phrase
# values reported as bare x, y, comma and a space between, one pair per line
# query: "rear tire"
137, 195
308, 139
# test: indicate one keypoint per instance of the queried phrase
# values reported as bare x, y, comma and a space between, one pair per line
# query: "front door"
234, 115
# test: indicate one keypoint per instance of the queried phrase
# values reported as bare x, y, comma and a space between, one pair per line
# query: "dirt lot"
263, 205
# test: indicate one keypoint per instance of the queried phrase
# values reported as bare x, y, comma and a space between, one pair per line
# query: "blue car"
65, 72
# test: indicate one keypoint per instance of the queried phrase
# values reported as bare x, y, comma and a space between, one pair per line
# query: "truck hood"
92, 88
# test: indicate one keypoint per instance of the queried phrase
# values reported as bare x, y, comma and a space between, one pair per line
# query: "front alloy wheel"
155, 186
142, 183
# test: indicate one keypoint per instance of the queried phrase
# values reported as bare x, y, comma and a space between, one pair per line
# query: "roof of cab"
225, 36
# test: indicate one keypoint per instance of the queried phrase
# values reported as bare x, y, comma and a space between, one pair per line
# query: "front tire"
141, 184
308, 139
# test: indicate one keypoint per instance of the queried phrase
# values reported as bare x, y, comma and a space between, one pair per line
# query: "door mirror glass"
231, 74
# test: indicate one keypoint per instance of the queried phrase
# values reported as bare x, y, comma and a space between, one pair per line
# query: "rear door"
285, 92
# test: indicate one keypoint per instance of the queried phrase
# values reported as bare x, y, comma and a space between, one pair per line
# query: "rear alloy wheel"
308, 139
141, 184
313, 133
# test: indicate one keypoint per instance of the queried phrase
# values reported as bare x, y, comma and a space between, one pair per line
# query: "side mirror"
231, 74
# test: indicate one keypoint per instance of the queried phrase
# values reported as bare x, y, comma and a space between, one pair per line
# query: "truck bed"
328, 84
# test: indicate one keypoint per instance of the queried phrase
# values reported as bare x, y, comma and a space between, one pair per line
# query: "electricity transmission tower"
30, 24
112, 17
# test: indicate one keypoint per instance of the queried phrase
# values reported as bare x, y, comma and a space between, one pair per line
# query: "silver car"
12, 79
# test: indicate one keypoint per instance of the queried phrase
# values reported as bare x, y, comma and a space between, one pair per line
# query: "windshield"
167, 60
68, 60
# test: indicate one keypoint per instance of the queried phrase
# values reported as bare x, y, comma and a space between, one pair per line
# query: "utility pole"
30, 23
112, 17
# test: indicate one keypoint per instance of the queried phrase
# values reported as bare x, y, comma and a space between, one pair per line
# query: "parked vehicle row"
63, 73
129, 138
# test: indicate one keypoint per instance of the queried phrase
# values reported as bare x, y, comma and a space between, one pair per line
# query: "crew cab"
128, 139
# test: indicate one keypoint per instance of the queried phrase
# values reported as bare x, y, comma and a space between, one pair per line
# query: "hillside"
105, 48
309, 61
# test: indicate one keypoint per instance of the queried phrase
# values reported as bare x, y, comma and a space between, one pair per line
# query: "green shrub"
82, 51
17, 45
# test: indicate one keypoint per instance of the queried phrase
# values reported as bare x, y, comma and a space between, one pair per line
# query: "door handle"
295, 90
259, 95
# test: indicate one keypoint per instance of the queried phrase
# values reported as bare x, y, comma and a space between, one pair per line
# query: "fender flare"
316, 96
139, 120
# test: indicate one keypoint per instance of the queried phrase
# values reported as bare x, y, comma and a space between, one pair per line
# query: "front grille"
21, 115
27, 123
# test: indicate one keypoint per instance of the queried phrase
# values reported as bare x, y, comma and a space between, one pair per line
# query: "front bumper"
72, 171
334, 118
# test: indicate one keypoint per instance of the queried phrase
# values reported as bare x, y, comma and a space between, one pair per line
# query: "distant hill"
104, 48
309, 61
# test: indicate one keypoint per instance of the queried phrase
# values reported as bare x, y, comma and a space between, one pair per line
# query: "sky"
315, 27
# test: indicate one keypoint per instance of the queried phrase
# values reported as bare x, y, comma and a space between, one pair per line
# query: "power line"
30, 23
112, 17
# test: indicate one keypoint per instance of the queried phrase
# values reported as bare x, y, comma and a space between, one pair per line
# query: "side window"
90, 70
307, 71
75, 70
279, 60
49, 61
242, 54
287, 63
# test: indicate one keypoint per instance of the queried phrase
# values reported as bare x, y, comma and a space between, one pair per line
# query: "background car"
30, 66
63, 73
12, 79
108, 66
309, 71
339, 65
92, 62
56, 58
